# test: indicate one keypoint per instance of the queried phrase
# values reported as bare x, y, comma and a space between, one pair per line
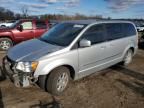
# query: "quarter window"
129, 29
95, 34
41, 25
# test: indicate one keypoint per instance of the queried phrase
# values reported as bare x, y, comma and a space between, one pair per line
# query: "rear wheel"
128, 57
5, 43
3, 26
58, 80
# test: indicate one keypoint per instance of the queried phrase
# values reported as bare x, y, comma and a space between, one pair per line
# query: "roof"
96, 21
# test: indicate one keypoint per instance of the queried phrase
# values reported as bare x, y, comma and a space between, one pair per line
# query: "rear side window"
128, 29
41, 25
114, 31
95, 34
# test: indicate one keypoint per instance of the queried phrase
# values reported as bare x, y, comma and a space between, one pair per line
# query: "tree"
6, 14
24, 11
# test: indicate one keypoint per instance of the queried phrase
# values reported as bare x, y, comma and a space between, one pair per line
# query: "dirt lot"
116, 87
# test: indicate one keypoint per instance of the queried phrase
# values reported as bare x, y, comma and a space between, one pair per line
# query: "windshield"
11, 21
62, 34
15, 24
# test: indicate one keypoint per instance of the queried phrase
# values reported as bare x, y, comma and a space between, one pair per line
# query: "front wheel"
5, 44
58, 80
128, 57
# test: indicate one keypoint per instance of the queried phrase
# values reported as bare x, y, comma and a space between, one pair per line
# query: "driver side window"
27, 25
96, 34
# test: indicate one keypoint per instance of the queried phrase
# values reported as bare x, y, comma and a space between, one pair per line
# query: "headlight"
27, 66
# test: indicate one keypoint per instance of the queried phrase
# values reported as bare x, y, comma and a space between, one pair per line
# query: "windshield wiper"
50, 42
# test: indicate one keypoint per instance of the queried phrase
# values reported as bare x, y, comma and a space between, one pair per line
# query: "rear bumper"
20, 79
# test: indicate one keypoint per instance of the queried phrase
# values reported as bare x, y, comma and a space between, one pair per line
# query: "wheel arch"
50, 67
71, 70
129, 47
42, 78
9, 37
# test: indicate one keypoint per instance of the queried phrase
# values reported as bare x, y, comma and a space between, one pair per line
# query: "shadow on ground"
136, 86
2, 76
141, 45
1, 102
53, 104
126, 71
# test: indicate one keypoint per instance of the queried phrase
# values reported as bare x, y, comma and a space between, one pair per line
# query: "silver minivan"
70, 50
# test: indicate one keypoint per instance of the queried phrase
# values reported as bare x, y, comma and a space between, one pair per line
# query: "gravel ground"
115, 87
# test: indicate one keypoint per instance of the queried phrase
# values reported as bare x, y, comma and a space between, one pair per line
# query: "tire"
3, 26
42, 82
128, 57
5, 44
58, 80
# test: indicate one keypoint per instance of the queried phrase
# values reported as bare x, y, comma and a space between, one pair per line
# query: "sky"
106, 8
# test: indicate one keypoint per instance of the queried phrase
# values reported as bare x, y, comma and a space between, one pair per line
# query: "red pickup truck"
20, 31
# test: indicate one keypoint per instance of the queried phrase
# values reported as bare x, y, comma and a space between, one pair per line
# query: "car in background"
22, 30
54, 22
140, 28
7, 24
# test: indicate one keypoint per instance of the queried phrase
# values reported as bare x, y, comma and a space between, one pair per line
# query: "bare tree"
24, 11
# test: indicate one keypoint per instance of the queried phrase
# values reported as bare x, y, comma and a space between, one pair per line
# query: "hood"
6, 29
31, 50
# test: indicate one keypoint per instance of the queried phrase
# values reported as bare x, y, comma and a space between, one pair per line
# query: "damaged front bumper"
19, 78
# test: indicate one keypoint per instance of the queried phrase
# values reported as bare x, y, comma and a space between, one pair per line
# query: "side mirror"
20, 28
85, 43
